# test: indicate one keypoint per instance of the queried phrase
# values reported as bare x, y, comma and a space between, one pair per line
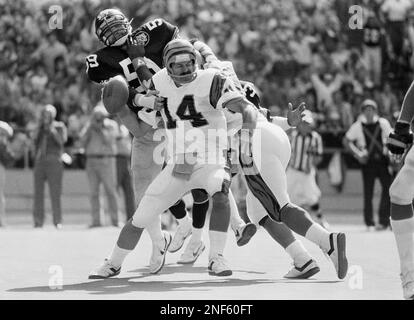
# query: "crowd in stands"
299, 50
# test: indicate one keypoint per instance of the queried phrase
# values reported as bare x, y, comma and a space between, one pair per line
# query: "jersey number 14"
185, 111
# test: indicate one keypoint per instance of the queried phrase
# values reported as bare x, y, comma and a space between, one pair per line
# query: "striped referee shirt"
303, 149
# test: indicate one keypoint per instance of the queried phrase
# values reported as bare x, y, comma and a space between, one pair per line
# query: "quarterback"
193, 103
121, 40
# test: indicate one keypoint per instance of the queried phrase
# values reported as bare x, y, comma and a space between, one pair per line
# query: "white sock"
197, 234
155, 232
235, 221
298, 253
404, 236
186, 221
319, 236
118, 256
217, 243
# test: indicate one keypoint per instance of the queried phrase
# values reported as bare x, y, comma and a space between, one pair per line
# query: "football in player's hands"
115, 94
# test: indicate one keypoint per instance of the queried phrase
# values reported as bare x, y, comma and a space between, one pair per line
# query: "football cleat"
408, 285
245, 233
217, 266
184, 230
107, 270
309, 269
158, 254
193, 250
337, 253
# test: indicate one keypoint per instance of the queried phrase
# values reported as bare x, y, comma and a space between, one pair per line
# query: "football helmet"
112, 27
176, 51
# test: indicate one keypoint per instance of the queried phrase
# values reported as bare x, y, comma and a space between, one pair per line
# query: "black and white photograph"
206, 154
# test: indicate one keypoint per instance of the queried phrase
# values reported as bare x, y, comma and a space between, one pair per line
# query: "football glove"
400, 139
133, 49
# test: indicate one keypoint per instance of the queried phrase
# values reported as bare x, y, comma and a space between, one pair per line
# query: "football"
115, 94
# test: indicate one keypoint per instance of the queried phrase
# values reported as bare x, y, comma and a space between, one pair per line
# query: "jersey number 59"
91, 61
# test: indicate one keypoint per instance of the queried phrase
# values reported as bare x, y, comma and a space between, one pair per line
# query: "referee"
307, 152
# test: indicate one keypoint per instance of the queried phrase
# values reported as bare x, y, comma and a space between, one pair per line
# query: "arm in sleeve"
137, 127
281, 122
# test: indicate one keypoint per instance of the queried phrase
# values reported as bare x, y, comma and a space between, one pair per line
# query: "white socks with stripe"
196, 234
298, 253
118, 256
217, 243
404, 236
319, 236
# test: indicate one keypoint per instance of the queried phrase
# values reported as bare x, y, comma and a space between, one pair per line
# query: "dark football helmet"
112, 27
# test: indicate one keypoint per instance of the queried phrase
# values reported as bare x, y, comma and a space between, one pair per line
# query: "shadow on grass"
122, 285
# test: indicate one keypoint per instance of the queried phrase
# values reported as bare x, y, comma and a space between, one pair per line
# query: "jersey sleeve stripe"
216, 89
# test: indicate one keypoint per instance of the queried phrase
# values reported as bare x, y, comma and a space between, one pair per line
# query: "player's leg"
179, 211
402, 222
144, 170
158, 198
216, 181
266, 179
196, 246
303, 264
243, 231
297, 219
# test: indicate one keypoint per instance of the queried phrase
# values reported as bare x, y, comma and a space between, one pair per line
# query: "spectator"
49, 139
99, 140
366, 140
325, 87
388, 101
6, 158
48, 51
394, 13
373, 35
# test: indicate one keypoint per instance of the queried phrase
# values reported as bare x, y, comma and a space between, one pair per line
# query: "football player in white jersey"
265, 172
194, 100
402, 192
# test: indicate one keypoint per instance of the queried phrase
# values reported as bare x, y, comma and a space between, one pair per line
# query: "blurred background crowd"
300, 50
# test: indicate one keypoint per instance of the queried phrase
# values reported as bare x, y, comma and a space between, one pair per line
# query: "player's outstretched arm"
294, 117
134, 125
247, 110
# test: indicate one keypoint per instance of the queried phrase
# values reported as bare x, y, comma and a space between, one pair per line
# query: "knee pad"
199, 195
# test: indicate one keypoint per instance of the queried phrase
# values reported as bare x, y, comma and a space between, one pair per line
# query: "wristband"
141, 100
